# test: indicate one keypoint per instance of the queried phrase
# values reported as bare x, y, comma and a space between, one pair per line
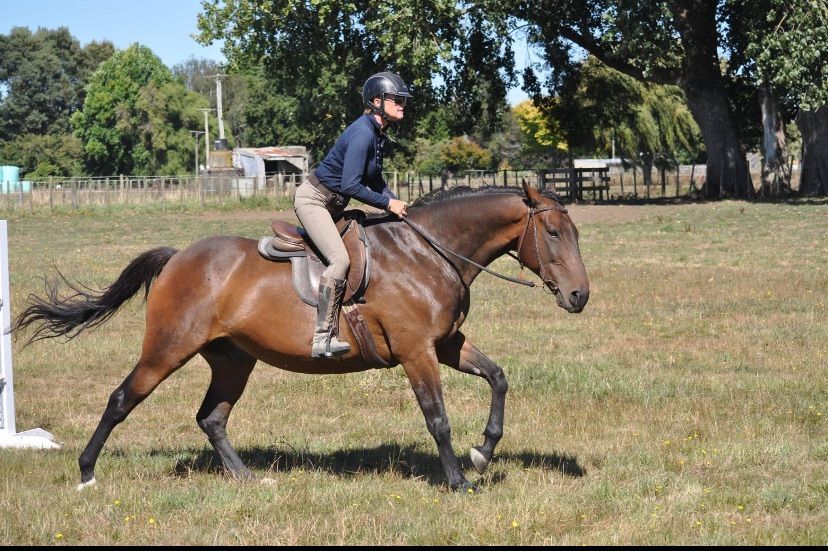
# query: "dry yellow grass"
686, 405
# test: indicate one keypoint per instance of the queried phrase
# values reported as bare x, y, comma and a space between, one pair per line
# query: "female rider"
352, 169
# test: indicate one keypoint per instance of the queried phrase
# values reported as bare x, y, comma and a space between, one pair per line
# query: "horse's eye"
553, 232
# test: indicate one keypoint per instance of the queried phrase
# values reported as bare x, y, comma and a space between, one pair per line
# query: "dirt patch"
581, 214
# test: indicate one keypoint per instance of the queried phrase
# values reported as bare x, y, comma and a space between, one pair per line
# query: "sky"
165, 26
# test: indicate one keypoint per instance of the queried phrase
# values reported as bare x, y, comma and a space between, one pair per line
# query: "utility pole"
206, 136
219, 111
196, 134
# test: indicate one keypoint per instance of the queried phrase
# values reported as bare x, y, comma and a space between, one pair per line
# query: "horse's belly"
299, 360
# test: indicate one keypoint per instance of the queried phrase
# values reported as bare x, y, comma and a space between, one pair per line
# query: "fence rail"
572, 184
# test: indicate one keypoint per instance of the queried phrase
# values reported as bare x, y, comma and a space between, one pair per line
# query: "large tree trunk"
702, 82
814, 128
776, 177
727, 169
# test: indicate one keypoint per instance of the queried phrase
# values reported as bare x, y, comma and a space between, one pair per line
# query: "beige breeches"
309, 205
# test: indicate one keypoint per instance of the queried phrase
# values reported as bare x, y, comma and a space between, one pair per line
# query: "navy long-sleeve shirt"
353, 167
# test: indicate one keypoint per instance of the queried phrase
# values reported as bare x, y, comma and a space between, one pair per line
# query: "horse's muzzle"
572, 302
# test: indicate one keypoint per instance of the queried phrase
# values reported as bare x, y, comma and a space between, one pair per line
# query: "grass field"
685, 405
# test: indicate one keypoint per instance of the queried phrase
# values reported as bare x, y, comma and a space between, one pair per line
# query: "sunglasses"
399, 100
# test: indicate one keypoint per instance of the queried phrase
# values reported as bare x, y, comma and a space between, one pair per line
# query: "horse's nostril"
579, 298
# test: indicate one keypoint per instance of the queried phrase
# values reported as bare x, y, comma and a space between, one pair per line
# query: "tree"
541, 137
271, 118
783, 46
137, 116
319, 53
600, 108
41, 156
663, 41
464, 154
43, 74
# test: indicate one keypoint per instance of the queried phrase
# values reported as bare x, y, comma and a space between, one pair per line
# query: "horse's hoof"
87, 484
466, 488
478, 460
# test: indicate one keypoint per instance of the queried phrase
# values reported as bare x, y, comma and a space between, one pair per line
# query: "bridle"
549, 284
531, 212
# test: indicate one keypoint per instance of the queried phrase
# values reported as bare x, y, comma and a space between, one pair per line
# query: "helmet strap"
380, 110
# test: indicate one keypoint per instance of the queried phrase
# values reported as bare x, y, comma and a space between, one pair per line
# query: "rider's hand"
397, 207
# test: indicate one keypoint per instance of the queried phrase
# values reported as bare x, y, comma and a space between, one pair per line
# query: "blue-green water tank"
10, 178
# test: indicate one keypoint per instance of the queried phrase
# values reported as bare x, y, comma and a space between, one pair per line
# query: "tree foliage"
44, 155
600, 106
462, 153
137, 116
541, 135
42, 79
316, 54
663, 42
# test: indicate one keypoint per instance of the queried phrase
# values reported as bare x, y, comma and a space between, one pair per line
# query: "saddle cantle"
291, 243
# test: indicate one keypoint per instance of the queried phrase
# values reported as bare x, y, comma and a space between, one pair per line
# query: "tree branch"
658, 76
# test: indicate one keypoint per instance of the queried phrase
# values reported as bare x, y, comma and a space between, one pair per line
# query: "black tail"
70, 316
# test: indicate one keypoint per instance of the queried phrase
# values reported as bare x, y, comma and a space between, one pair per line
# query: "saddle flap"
356, 244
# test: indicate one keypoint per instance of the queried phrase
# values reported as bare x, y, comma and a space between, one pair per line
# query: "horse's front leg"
423, 372
462, 355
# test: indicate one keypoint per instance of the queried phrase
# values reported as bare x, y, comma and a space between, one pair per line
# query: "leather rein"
529, 218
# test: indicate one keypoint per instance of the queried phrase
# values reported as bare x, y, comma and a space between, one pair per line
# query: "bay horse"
221, 299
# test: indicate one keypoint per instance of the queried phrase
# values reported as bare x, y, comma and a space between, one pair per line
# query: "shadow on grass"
406, 460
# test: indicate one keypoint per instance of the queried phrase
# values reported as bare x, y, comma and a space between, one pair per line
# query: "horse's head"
549, 247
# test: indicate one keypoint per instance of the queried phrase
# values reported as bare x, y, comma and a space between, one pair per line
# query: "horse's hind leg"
462, 355
147, 374
231, 368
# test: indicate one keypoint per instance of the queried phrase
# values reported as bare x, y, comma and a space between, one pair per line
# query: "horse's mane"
441, 195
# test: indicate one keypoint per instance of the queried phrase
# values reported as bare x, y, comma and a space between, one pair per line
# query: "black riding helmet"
380, 85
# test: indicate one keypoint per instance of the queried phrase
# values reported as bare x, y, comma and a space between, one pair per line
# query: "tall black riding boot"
325, 342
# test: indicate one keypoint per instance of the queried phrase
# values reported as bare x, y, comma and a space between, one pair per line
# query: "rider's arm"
360, 147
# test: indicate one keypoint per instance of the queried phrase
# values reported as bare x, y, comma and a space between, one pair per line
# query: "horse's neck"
481, 229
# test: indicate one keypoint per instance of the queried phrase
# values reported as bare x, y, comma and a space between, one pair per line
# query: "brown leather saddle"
292, 243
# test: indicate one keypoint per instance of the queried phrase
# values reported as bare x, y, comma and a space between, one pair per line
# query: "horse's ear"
532, 195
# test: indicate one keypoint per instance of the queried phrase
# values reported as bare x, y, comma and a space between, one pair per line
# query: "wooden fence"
581, 184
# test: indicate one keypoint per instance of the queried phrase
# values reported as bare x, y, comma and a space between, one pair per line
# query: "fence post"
621, 178
635, 181
505, 176
396, 185
678, 174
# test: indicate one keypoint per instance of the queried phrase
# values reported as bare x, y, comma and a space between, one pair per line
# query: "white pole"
7, 426
218, 107
9, 438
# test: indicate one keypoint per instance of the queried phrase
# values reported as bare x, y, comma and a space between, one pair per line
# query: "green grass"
685, 405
